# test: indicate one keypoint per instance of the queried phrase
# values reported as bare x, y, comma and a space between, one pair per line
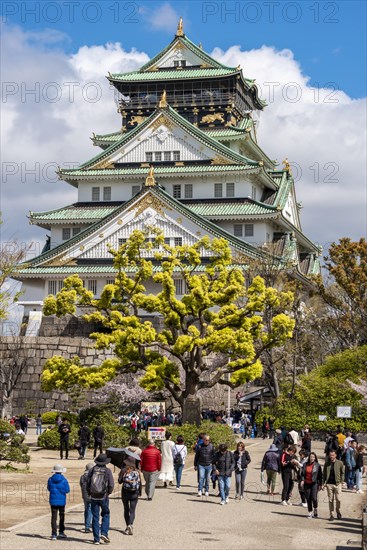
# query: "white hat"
58, 469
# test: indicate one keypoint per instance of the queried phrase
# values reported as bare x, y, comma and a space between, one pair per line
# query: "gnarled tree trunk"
191, 409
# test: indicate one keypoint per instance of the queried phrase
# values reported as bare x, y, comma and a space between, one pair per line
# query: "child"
58, 487
86, 498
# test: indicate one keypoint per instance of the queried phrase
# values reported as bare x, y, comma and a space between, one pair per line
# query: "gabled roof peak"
180, 31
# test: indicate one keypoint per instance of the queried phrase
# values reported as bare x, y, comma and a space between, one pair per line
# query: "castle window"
167, 156
249, 229
149, 157
178, 286
167, 240
76, 231
176, 155
158, 157
179, 62
122, 241
107, 193
92, 286
95, 193
52, 287
230, 189
178, 241
188, 190
110, 281
218, 190
66, 233
253, 193
177, 191
238, 230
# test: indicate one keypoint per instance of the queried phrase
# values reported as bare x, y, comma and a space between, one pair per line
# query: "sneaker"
96, 542
338, 515
178, 488
315, 514
129, 530
331, 518
284, 503
360, 492
62, 536
241, 497
227, 500
53, 537
310, 515
86, 530
206, 493
304, 504
289, 503
222, 502
200, 494
236, 497
105, 539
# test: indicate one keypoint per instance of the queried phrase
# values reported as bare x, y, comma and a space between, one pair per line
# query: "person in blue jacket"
58, 486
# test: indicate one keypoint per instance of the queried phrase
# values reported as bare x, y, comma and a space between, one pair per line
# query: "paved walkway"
179, 519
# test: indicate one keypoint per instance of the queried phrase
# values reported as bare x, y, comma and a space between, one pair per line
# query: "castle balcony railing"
150, 100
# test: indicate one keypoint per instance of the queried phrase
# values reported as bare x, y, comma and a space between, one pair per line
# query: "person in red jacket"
151, 461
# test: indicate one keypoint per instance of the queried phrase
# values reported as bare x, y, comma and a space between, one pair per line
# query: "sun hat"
102, 459
278, 431
58, 469
273, 447
89, 465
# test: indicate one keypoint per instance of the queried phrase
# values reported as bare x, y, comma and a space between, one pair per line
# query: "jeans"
61, 511
87, 514
178, 471
204, 475
224, 483
240, 482
83, 450
311, 490
350, 477
105, 513
130, 501
359, 479
64, 444
39, 429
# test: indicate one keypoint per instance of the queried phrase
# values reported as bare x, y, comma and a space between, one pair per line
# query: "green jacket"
338, 470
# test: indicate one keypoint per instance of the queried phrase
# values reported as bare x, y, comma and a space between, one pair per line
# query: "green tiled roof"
208, 227
183, 40
180, 121
158, 170
74, 212
137, 76
235, 208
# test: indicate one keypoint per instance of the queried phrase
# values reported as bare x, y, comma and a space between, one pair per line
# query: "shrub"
12, 448
50, 417
219, 433
50, 438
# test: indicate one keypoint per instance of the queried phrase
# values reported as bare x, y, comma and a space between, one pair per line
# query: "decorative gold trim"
287, 166
179, 220
163, 101
137, 119
220, 160
162, 119
103, 164
150, 179
211, 118
150, 201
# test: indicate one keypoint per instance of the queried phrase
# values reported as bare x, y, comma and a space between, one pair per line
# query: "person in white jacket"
179, 453
166, 473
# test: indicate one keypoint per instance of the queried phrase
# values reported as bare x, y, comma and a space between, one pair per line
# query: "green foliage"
321, 391
219, 433
50, 438
50, 417
12, 448
218, 319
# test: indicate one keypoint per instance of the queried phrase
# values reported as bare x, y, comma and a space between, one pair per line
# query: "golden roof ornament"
287, 166
180, 31
150, 179
163, 100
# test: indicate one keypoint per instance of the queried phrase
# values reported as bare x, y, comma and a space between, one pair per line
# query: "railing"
206, 97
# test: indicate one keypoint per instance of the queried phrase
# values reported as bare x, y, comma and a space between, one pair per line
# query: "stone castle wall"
30, 354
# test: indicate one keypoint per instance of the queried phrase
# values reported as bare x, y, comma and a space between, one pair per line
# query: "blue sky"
328, 39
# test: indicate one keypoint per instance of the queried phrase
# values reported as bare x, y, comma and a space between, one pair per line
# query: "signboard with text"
344, 412
157, 433
153, 407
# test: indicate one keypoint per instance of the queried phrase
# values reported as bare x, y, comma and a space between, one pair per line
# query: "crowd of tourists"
289, 456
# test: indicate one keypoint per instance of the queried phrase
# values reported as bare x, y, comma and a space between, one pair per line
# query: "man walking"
98, 436
204, 458
333, 476
271, 464
151, 461
64, 431
99, 485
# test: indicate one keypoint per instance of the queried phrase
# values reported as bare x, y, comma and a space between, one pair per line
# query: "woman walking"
359, 468
311, 479
130, 482
224, 465
166, 474
179, 453
242, 460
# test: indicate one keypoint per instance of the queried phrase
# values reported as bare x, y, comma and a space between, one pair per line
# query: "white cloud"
164, 18
311, 130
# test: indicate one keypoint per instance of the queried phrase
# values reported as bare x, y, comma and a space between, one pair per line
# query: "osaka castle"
187, 162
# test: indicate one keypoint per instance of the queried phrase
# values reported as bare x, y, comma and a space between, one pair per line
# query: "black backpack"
178, 460
288, 440
98, 482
